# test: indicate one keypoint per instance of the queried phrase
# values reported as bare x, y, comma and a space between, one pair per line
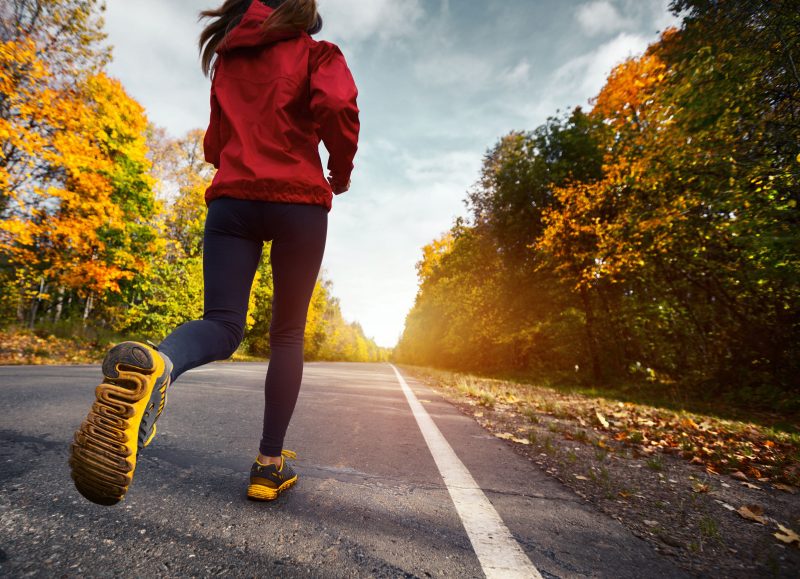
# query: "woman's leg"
231, 253
297, 251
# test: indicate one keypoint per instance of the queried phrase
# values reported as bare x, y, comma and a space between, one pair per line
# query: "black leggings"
234, 236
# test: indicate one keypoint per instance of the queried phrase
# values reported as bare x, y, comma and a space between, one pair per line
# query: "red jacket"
273, 97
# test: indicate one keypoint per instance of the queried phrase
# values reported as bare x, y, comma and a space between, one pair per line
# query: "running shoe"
121, 422
267, 481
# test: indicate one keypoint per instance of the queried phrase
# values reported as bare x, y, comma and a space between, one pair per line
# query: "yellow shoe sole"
103, 454
265, 493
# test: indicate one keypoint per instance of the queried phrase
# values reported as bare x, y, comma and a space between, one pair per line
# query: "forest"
101, 211
651, 239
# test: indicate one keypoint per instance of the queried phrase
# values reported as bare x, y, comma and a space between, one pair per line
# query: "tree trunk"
20, 310
591, 335
87, 308
59, 305
35, 305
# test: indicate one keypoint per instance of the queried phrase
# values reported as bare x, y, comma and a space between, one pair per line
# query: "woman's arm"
211, 144
333, 105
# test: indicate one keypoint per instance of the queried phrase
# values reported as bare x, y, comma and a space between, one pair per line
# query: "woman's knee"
286, 336
231, 336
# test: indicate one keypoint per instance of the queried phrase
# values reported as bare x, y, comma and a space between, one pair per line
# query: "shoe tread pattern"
103, 457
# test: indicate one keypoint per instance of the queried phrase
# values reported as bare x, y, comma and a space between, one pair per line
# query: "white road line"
190, 385
499, 554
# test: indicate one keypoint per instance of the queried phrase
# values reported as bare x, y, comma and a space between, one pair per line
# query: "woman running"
275, 93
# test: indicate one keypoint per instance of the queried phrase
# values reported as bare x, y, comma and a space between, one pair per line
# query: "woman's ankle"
266, 460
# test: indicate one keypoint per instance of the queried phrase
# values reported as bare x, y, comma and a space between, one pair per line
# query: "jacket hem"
271, 192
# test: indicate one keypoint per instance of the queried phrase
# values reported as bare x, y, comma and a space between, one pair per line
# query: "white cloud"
469, 72
452, 68
601, 17
446, 168
157, 59
662, 17
586, 74
356, 20
519, 74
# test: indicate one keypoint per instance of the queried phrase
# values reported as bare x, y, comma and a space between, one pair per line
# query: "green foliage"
487, 300
170, 296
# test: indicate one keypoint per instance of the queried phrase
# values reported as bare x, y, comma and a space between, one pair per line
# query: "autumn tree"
87, 229
50, 58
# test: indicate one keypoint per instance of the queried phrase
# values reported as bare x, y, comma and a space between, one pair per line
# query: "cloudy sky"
440, 81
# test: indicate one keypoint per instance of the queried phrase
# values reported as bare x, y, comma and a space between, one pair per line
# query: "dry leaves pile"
743, 450
28, 348
748, 452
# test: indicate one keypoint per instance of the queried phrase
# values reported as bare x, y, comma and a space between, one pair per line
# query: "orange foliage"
607, 229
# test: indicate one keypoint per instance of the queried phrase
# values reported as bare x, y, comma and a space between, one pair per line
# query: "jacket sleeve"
334, 108
211, 141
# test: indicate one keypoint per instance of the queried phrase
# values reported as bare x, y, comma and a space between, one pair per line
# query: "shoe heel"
261, 493
129, 355
265, 493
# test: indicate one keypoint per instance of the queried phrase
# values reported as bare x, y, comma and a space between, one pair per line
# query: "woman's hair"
288, 14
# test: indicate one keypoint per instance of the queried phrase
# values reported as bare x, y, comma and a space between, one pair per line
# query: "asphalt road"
370, 502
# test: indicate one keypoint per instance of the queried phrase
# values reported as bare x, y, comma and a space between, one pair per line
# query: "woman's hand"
338, 189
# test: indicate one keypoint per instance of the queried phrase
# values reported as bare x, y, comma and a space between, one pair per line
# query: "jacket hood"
250, 31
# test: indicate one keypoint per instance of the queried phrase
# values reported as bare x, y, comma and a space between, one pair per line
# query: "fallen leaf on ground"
696, 460
650, 523
602, 420
785, 488
688, 423
757, 509
580, 477
700, 488
739, 475
750, 486
787, 536
511, 437
753, 513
